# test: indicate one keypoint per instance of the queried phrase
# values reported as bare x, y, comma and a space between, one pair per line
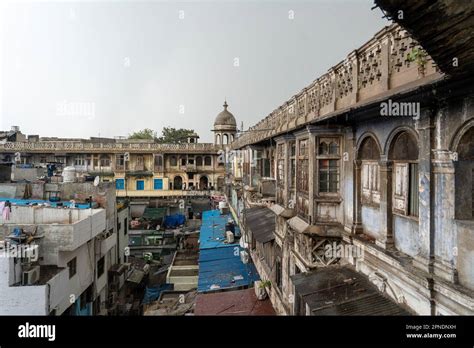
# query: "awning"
261, 222
340, 290
282, 211
136, 276
139, 173
154, 213
322, 230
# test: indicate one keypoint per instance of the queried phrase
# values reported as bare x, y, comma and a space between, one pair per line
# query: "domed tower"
225, 127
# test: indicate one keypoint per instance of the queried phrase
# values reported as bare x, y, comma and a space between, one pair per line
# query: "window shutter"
400, 188
366, 182
375, 187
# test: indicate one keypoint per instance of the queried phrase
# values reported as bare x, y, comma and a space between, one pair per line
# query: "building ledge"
282, 211
321, 230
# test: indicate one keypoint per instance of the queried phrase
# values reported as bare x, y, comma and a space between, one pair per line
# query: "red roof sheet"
238, 302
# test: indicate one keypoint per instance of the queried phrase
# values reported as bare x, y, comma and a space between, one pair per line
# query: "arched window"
178, 183
464, 177
218, 139
207, 161
158, 162
199, 160
104, 160
404, 154
369, 155
225, 139
173, 161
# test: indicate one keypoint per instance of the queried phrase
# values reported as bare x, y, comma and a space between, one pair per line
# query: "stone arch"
404, 146
218, 139
225, 139
464, 172
203, 182
394, 133
178, 182
364, 137
368, 147
460, 133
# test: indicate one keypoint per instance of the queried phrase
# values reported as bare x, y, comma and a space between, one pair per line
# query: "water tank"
69, 174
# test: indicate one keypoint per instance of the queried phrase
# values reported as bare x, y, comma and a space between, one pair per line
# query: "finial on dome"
225, 104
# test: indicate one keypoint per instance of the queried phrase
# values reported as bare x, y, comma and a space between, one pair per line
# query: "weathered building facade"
377, 155
140, 168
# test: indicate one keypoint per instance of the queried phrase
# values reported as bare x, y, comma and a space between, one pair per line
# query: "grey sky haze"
132, 65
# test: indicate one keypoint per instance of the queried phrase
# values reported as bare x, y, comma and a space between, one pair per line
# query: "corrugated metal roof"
154, 213
220, 266
238, 302
213, 230
261, 222
340, 290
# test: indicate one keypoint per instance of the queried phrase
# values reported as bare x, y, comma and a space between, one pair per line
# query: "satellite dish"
96, 181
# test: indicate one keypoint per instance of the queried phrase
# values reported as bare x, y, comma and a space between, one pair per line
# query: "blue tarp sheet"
173, 221
153, 293
213, 230
220, 266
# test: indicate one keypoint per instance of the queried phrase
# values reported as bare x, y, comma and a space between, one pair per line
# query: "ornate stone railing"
96, 147
386, 63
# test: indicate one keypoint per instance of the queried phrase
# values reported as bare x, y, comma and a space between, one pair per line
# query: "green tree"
146, 133
174, 136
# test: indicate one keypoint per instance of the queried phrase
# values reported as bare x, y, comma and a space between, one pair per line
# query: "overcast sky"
80, 69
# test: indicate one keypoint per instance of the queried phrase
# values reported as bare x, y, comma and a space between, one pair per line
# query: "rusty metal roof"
340, 290
261, 221
238, 302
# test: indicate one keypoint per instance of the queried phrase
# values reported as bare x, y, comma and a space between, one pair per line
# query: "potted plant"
262, 289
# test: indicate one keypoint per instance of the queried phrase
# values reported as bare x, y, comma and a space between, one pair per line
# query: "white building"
75, 248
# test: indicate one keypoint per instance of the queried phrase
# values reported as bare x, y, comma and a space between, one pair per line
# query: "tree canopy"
169, 135
146, 133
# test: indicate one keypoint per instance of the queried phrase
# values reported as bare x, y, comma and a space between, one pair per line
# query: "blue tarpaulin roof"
173, 221
220, 266
153, 293
213, 229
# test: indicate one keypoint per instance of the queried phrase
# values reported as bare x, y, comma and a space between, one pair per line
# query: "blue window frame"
158, 184
140, 185
120, 184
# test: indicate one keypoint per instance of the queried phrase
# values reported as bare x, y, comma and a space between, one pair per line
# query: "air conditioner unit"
244, 256
31, 276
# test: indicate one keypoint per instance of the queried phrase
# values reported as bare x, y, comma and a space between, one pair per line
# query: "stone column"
444, 236
386, 217
357, 201
424, 258
348, 186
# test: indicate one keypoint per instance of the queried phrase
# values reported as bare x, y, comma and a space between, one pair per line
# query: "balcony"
189, 168
379, 68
